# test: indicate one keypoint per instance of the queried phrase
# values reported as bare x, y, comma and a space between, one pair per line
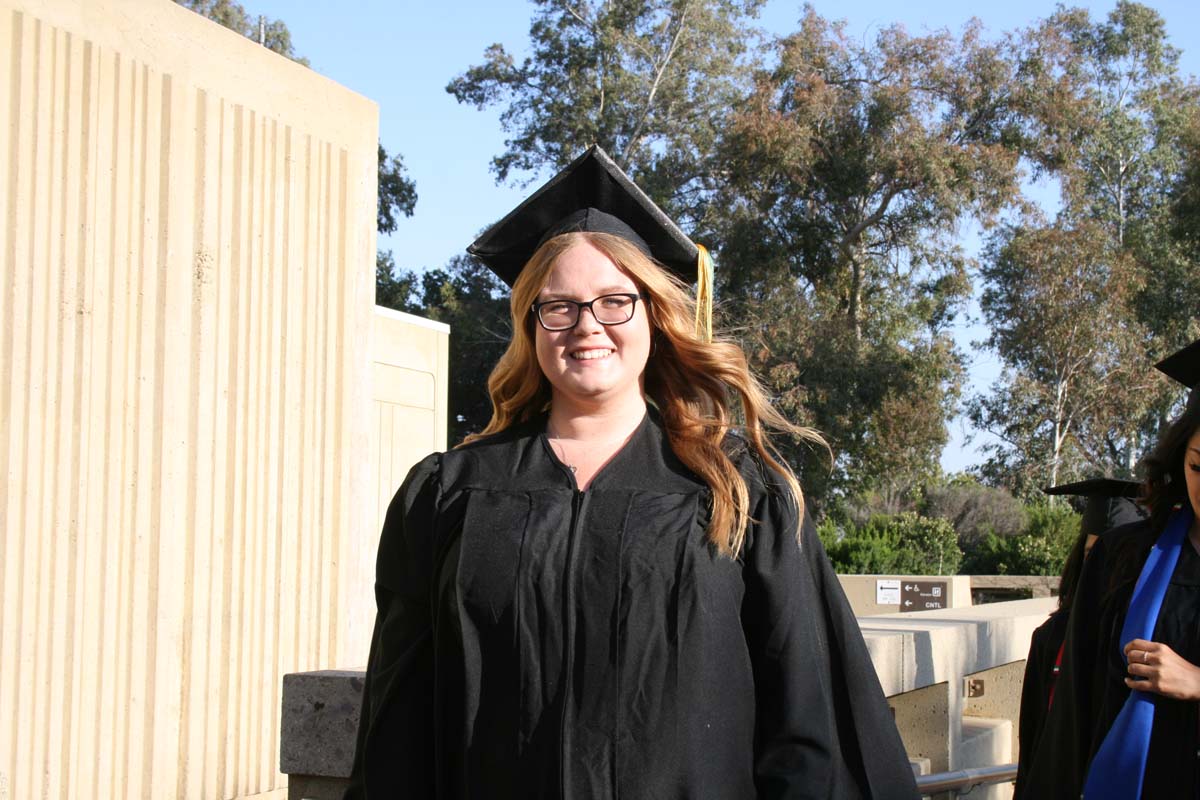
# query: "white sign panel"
887, 592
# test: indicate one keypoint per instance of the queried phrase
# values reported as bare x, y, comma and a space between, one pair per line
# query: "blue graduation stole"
1120, 764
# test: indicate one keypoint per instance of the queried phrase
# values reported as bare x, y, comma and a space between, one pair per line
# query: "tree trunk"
856, 281
1060, 430
1054, 459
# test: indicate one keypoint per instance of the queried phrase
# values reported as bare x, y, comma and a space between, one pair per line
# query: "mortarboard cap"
591, 194
1184, 366
1109, 502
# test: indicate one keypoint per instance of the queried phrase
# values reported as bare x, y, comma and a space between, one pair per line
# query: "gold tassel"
704, 294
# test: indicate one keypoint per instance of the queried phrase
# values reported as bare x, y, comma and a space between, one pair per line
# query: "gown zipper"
578, 506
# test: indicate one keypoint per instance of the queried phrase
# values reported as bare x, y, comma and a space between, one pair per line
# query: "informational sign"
887, 592
922, 595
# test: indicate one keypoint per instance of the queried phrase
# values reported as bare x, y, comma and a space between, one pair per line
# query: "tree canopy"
651, 81
1057, 301
849, 171
834, 176
397, 191
1081, 306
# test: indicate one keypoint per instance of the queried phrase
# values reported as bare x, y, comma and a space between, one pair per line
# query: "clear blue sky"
402, 55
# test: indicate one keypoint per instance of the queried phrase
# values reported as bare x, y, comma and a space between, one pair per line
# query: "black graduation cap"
1184, 366
591, 194
1109, 502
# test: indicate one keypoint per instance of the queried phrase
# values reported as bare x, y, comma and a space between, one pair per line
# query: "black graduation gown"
535, 641
1091, 688
1044, 645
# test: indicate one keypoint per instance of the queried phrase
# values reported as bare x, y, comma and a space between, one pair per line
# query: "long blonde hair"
690, 380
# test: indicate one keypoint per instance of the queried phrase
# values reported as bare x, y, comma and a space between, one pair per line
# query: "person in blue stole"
1124, 723
1106, 504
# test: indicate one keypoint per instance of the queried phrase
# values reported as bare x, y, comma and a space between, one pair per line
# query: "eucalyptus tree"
1067, 406
651, 81
849, 175
1106, 113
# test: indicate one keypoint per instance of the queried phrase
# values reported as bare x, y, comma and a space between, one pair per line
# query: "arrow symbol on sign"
907, 588
907, 603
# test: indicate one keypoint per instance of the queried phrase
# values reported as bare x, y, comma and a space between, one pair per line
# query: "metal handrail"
962, 781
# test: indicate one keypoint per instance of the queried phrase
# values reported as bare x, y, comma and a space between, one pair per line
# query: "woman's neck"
612, 420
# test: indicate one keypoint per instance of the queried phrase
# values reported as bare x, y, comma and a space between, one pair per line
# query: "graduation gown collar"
644, 463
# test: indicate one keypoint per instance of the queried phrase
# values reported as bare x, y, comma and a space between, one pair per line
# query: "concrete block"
987, 742
306, 787
320, 723
922, 718
1001, 699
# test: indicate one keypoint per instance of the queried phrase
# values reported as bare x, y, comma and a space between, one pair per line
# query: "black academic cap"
1109, 502
1184, 366
591, 194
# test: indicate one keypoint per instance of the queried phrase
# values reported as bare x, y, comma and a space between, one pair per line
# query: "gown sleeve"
823, 727
394, 753
1039, 665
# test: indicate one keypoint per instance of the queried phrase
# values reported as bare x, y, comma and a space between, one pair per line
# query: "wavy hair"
1072, 568
692, 382
1166, 484
1165, 487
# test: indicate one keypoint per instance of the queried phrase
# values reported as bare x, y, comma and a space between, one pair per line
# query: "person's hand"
1162, 670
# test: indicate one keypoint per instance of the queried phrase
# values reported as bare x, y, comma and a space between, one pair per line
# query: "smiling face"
591, 363
1191, 471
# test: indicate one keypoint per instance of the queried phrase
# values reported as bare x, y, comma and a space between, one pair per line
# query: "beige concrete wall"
409, 379
186, 241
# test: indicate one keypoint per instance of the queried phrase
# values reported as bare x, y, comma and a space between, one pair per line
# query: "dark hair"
1071, 570
1165, 487
1166, 484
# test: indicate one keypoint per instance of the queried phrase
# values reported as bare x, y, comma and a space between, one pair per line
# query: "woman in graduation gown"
611, 592
1124, 722
1108, 504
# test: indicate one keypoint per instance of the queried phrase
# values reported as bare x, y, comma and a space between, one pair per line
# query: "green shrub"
1040, 549
1043, 547
829, 532
898, 544
864, 555
927, 546
976, 510
995, 555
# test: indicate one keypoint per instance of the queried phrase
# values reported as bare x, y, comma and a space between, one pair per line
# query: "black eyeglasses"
607, 309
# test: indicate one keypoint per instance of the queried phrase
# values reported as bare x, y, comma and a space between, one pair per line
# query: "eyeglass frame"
536, 310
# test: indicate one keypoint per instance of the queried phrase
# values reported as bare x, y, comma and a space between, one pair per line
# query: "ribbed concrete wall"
186, 242
409, 382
